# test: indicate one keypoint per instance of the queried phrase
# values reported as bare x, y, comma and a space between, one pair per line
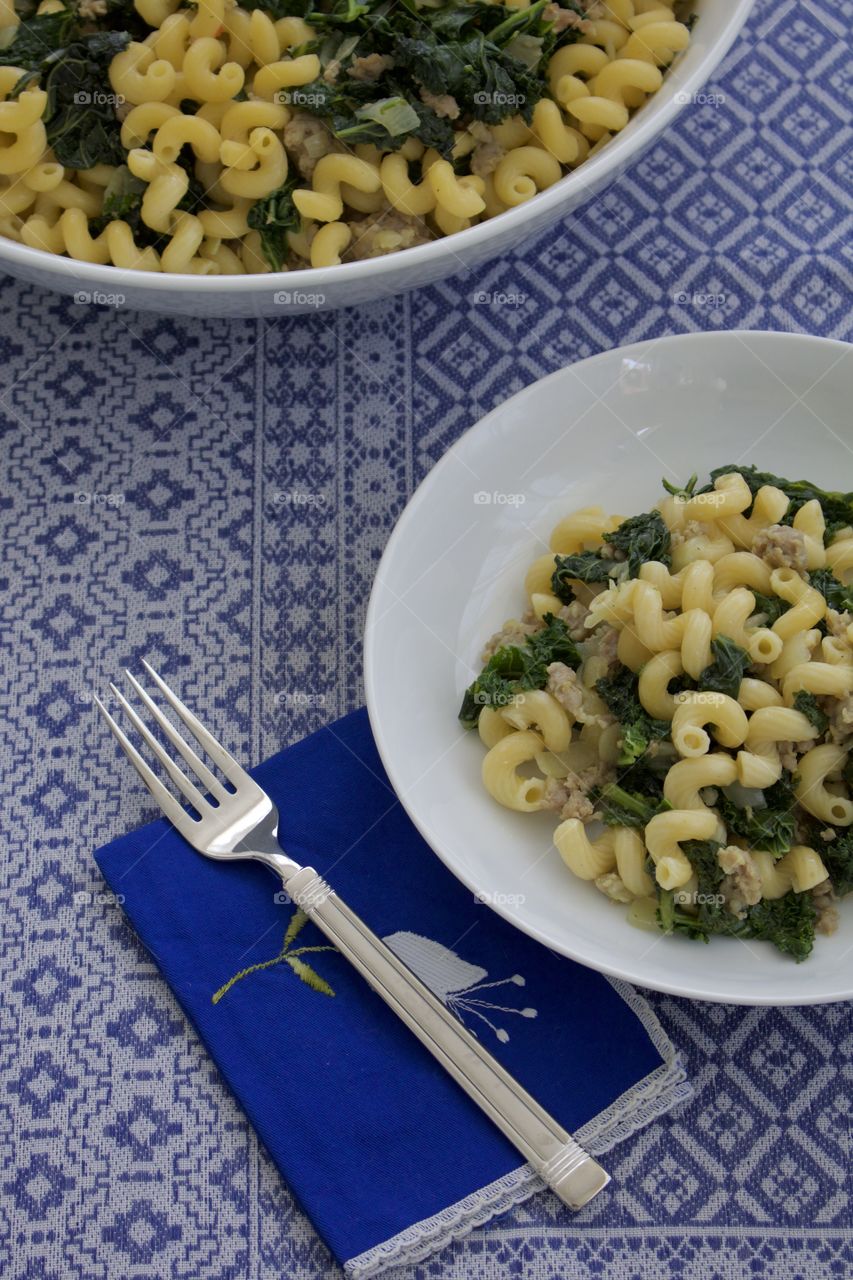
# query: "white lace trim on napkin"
644, 1102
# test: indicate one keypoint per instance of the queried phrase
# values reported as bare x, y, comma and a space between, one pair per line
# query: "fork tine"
167, 802
181, 781
229, 766
208, 779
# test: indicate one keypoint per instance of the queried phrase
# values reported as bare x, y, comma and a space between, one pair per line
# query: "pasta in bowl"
600, 433
679, 692
232, 141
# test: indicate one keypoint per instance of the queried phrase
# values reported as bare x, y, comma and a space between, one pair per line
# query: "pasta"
213, 139
680, 693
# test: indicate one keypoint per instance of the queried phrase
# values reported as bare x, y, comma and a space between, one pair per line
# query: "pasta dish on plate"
216, 137
679, 693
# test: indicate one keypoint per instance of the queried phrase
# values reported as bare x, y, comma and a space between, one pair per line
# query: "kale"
585, 566
726, 671
706, 905
382, 121
487, 82
788, 922
552, 643
433, 131
274, 216
73, 69
123, 200
770, 828
685, 492
837, 855
514, 668
837, 507
807, 703
35, 37
770, 608
641, 538
835, 593
638, 728
486, 56
637, 540
702, 856
622, 808
358, 111
123, 195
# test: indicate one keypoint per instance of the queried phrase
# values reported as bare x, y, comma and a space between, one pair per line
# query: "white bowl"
352, 283
602, 431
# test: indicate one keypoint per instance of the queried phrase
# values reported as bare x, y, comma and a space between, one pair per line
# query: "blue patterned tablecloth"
216, 496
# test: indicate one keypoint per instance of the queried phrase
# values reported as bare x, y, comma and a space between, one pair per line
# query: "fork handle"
552, 1152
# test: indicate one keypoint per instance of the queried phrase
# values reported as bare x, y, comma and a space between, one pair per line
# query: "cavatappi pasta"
679, 693
214, 138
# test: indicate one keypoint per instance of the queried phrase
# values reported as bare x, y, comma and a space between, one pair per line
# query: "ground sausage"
741, 885
370, 67
781, 547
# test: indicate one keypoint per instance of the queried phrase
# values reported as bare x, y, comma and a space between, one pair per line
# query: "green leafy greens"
787, 922
837, 855
835, 593
71, 64
514, 668
489, 59
639, 729
807, 703
727, 670
274, 216
837, 507
622, 808
771, 827
636, 541
770, 608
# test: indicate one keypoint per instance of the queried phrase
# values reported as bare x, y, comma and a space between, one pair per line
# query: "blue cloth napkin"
386, 1155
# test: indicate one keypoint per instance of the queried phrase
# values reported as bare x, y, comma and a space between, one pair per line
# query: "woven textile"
215, 495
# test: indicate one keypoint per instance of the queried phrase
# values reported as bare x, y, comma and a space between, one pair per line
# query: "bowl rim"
639, 348
640, 130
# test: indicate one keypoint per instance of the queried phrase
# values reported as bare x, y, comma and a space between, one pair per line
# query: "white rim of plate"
413, 506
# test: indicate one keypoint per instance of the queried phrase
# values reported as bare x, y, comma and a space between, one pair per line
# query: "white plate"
604, 430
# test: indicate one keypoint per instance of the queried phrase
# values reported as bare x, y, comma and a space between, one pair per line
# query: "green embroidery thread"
288, 955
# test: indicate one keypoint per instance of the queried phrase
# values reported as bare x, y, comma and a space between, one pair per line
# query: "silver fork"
243, 823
